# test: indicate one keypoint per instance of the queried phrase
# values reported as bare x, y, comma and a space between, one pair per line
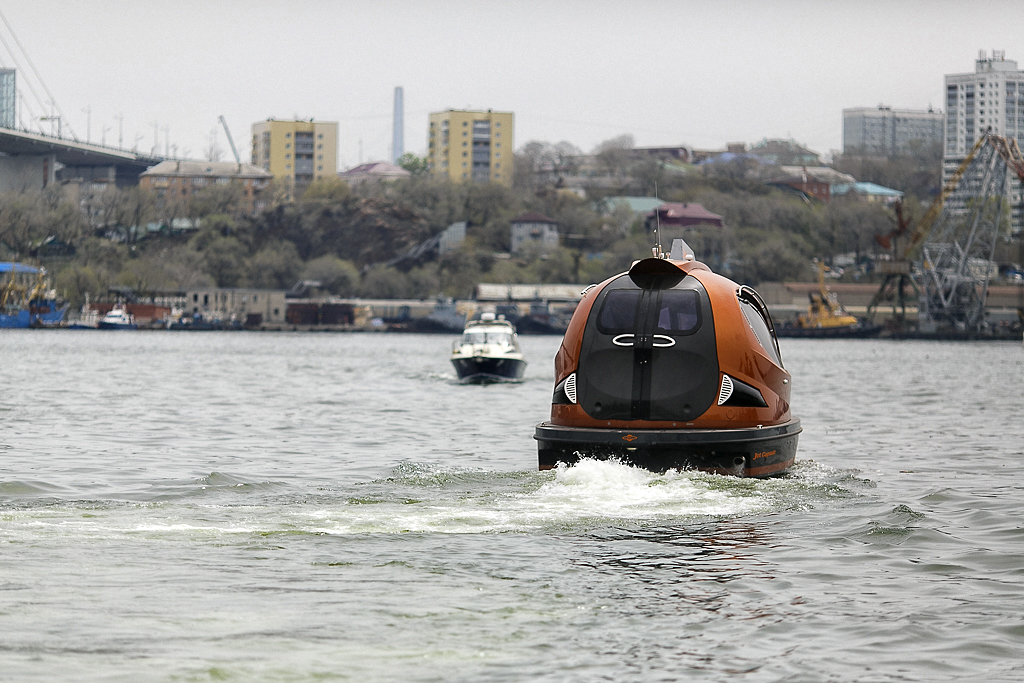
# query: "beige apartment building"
297, 152
176, 180
471, 146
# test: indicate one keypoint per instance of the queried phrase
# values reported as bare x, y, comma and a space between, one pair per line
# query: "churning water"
289, 507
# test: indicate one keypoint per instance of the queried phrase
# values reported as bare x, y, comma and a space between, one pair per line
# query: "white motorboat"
117, 319
488, 352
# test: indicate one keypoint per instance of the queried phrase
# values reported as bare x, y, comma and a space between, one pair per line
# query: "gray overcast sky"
700, 73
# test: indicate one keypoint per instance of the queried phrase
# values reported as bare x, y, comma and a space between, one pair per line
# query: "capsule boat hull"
670, 366
751, 452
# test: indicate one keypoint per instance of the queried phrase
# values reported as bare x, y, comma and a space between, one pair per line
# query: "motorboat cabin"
488, 352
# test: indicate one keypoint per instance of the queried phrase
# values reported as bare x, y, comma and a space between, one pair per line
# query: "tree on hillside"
614, 155
224, 259
275, 266
542, 164
413, 164
227, 199
327, 190
27, 220
339, 277
918, 173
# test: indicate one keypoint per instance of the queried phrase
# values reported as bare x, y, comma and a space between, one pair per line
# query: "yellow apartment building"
298, 152
471, 145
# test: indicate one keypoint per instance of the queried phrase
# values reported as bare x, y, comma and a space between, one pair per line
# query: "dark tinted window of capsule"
618, 312
680, 312
760, 328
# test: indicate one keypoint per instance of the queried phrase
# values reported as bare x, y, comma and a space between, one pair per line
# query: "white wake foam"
590, 493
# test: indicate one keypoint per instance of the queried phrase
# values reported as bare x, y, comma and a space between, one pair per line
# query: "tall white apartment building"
990, 98
885, 131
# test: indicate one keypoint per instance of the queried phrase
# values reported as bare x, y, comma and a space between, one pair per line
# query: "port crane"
954, 242
231, 140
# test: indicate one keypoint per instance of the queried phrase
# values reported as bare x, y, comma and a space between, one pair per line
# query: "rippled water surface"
287, 507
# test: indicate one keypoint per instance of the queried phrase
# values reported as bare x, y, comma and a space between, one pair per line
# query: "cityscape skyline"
666, 73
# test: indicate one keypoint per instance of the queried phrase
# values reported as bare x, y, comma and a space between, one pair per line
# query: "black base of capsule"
753, 452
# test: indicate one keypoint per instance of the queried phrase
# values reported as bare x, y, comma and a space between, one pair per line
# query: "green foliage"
339, 277
224, 261
459, 271
75, 281
345, 237
384, 282
327, 190
775, 257
362, 230
424, 282
557, 266
918, 173
27, 219
275, 266
413, 164
227, 199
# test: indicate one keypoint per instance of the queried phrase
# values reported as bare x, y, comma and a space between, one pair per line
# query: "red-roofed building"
683, 215
805, 184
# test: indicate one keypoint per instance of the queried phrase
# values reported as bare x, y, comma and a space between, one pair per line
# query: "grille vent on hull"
725, 392
737, 393
570, 387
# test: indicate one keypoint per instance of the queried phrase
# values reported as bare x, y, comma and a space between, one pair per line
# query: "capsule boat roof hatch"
662, 272
656, 273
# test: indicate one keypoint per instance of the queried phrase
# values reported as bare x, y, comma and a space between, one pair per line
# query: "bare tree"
614, 154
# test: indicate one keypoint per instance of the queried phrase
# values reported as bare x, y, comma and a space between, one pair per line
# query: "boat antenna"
657, 229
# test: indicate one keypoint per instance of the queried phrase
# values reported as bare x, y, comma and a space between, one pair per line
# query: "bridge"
33, 161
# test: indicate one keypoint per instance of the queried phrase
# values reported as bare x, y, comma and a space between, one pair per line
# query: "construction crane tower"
947, 259
231, 141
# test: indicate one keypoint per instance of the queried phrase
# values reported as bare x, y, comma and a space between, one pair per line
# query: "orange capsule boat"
671, 366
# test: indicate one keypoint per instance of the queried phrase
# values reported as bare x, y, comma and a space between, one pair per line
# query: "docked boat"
488, 352
826, 317
117, 318
26, 298
671, 366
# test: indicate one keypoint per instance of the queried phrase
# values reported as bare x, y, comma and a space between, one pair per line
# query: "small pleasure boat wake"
488, 352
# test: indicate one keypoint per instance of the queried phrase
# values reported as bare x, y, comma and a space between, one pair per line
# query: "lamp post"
51, 119
88, 123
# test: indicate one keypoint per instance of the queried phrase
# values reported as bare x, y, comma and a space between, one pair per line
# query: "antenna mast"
657, 229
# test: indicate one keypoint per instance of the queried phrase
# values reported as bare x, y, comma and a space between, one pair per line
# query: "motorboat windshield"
501, 337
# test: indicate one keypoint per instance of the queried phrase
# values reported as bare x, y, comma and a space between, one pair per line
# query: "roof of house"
726, 157
690, 212
635, 204
533, 217
375, 169
207, 168
823, 174
866, 188
779, 146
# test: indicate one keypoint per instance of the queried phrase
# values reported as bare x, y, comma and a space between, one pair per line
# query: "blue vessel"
26, 299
